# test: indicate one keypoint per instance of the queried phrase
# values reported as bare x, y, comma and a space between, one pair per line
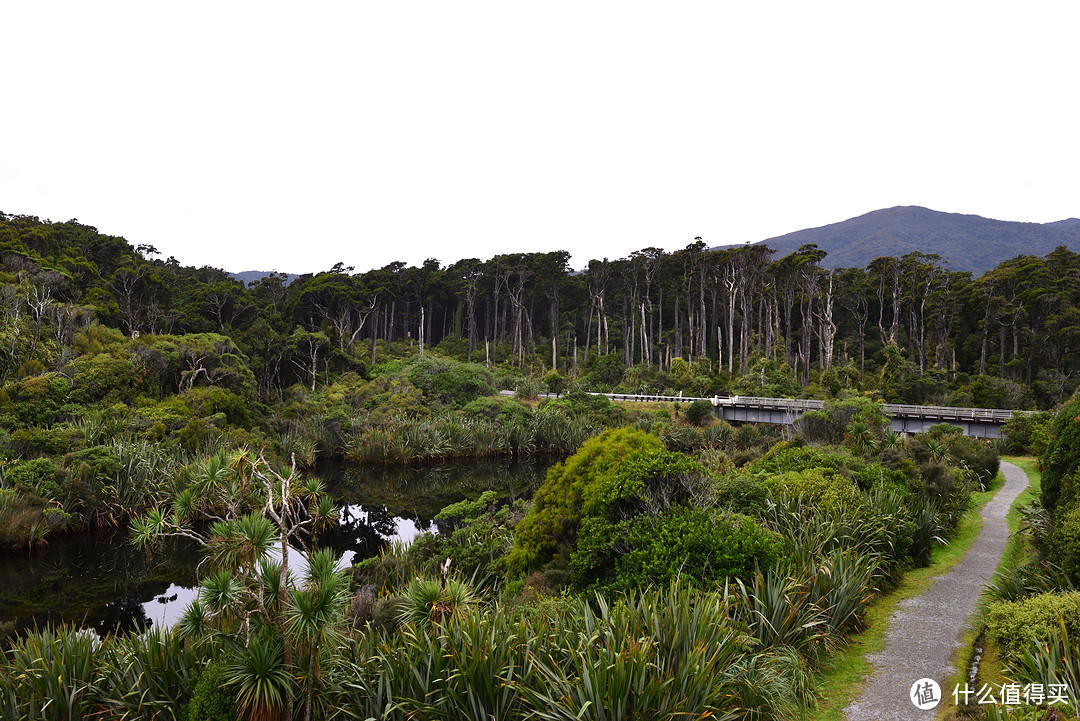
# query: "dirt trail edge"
924, 631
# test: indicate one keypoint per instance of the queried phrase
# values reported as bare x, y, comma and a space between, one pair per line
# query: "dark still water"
105, 584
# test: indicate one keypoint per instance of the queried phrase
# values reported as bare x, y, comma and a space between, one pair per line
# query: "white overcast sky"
290, 136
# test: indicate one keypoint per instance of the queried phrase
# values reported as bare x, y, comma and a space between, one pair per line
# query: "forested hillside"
965, 242
699, 321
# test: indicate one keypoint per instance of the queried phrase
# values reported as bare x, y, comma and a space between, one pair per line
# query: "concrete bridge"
978, 422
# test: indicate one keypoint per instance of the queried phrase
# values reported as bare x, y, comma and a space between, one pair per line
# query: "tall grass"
1055, 661
405, 441
150, 675
50, 674
657, 654
69, 674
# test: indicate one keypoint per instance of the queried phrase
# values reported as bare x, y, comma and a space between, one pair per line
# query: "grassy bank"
840, 680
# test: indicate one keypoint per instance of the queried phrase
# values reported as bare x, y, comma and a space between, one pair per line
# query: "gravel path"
924, 631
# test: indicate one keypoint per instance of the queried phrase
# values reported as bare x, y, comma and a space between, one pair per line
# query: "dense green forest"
670, 566
695, 320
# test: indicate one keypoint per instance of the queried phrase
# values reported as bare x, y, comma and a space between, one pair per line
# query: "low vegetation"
704, 587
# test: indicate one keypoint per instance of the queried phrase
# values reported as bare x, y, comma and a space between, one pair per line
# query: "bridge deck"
982, 422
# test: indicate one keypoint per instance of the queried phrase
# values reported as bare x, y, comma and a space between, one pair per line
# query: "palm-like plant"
938, 450
430, 603
859, 436
316, 615
240, 543
222, 596
259, 676
244, 585
195, 624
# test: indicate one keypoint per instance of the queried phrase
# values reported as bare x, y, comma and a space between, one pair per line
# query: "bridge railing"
787, 404
993, 415
945, 413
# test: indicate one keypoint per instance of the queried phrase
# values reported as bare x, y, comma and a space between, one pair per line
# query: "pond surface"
105, 584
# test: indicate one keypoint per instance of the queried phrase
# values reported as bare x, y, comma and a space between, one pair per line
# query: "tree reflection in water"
122, 615
104, 584
95, 582
383, 504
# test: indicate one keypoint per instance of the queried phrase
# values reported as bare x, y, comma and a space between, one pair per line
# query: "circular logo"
925, 694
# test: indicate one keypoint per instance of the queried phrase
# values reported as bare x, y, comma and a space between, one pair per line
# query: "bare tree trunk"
719, 349
646, 356
606, 337
827, 325
588, 334
678, 331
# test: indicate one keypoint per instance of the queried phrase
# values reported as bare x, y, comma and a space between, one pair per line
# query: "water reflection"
166, 609
101, 583
420, 493
385, 504
107, 585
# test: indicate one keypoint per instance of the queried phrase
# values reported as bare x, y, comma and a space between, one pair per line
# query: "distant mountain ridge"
252, 276
967, 242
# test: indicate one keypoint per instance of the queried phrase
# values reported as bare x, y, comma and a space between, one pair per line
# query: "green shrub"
1054, 662
699, 412
40, 476
105, 378
855, 421
604, 371
873, 475
209, 700
978, 455
94, 464
56, 518
1012, 626
448, 381
1065, 542
36, 401
162, 418
948, 489
555, 381
648, 481
792, 456
1029, 434
816, 486
1062, 455
210, 401
552, 522
681, 542
742, 493
497, 408
465, 511
197, 434
36, 440
818, 427
598, 408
